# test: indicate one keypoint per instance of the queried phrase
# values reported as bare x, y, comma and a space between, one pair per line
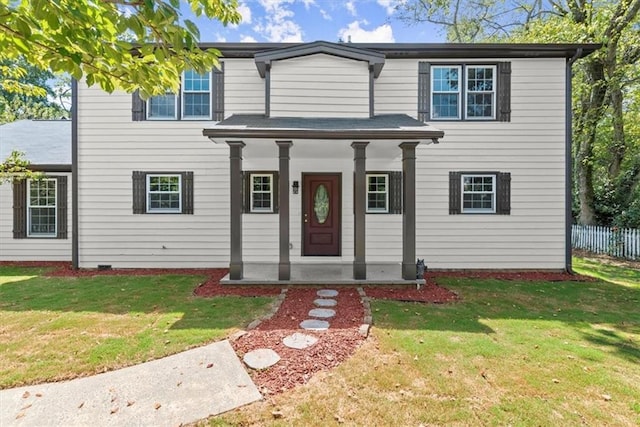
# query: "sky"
365, 21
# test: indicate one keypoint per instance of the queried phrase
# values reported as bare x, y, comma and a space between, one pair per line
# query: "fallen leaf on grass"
130, 402
555, 380
210, 365
81, 405
606, 397
114, 410
38, 394
157, 406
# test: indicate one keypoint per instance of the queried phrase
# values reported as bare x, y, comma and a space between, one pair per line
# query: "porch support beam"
359, 211
235, 168
409, 210
284, 266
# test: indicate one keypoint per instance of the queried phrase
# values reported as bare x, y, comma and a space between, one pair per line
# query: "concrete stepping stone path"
323, 313
261, 358
330, 293
299, 341
314, 325
324, 302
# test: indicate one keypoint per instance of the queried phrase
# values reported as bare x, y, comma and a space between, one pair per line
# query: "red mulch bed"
298, 366
527, 276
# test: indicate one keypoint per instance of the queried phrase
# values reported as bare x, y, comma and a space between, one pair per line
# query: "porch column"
284, 267
235, 169
409, 210
359, 211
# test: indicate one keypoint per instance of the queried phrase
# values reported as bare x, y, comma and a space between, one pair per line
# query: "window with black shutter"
40, 208
479, 193
260, 191
162, 192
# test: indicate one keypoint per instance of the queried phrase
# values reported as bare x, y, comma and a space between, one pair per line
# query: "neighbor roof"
44, 142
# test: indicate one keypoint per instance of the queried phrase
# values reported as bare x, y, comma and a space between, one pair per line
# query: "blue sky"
311, 20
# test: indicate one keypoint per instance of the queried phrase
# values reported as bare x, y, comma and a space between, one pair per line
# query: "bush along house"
321, 161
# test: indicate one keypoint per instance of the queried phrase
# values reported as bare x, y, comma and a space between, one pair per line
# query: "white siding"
243, 87
31, 249
319, 86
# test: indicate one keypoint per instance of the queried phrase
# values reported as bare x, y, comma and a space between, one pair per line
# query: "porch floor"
321, 274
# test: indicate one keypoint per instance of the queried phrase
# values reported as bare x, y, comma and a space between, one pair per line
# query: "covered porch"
261, 139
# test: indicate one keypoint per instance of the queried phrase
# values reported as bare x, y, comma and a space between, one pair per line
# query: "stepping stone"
261, 358
314, 325
324, 313
324, 302
299, 341
327, 293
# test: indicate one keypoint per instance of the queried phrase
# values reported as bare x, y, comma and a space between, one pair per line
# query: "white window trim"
493, 92
270, 176
459, 92
175, 109
182, 103
493, 193
148, 194
386, 193
55, 210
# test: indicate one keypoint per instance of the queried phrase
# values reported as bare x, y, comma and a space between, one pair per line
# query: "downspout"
568, 205
74, 174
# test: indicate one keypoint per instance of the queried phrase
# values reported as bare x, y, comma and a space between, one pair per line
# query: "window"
201, 97
377, 193
261, 193
464, 91
480, 193
162, 192
162, 107
481, 93
196, 95
446, 92
40, 208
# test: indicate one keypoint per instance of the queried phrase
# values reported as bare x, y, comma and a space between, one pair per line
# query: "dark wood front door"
321, 214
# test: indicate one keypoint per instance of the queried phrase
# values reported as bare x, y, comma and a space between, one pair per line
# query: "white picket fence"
617, 242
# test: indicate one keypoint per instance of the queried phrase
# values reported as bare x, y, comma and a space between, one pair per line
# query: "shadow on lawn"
120, 295
604, 313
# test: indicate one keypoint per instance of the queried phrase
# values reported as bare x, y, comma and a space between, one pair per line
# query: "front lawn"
54, 328
509, 353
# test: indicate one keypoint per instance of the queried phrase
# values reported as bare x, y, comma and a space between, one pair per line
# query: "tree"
16, 168
605, 83
94, 40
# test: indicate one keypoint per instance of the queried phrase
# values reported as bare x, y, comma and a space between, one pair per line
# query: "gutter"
568, 186
74, 174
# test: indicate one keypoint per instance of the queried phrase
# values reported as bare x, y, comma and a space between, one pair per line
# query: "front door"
321, 213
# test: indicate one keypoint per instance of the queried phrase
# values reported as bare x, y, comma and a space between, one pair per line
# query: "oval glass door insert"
321, 203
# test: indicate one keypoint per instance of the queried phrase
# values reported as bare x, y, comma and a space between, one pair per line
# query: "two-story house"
360, 157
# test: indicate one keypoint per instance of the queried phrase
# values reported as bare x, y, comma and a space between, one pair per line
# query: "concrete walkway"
171, 391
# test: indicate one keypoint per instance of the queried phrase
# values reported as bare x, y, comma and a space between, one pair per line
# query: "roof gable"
342, 50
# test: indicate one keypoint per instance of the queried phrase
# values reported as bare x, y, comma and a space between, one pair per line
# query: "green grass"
608, 272
509, 353
53, 328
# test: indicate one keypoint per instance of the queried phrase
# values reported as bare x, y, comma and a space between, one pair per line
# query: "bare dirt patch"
606, 259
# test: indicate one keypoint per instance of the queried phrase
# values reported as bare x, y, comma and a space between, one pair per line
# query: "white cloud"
351, 7
386, 4
247, 39
325, 15
245, 11
220, 38
278, 25
381, 34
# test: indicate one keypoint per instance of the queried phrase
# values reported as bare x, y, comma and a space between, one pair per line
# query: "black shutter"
424, 89
395, 192
504, 91
246, 188
139, 192
455, 193
187, 193
138, 107
503, 193
275, 178
217, 93
19, 209
62, 207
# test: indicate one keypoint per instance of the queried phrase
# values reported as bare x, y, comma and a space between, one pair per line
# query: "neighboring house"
323, 153
35, 215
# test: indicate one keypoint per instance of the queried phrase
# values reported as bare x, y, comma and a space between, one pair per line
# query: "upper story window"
201, 97
464, 91
42, 208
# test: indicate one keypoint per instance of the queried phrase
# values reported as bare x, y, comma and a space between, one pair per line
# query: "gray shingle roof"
386, 121
45, 142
